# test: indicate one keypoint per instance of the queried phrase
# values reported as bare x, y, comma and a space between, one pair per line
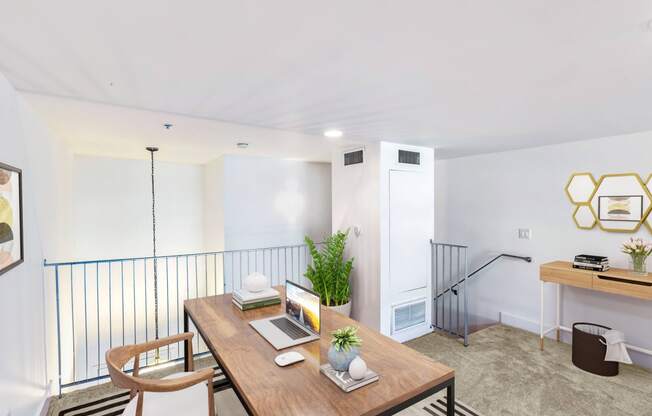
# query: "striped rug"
437, 407
114, 405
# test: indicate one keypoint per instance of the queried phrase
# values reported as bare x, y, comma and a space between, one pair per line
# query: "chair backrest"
116, 358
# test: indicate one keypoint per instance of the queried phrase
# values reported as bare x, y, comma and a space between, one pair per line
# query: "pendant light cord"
156, 334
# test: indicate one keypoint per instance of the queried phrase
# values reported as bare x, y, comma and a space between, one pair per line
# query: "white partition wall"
386, 197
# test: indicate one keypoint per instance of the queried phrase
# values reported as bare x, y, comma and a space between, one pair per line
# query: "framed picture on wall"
11, 217
627, 208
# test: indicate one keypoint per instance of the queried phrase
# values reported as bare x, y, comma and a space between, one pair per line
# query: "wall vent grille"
410, 158
407, 316
353, 158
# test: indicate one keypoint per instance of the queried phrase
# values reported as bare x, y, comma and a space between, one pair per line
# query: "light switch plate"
524, 233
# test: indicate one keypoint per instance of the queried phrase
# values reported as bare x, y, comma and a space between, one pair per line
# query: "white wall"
356, 199
23, 384
111, 207
483, 200
213, 194
273, 202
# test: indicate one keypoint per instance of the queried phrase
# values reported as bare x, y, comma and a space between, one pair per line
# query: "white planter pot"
343, 309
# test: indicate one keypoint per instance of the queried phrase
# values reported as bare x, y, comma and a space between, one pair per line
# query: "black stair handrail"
479, 269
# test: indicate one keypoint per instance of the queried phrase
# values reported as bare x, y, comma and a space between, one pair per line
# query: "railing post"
56, 278
457, 298
434, 285
466, 309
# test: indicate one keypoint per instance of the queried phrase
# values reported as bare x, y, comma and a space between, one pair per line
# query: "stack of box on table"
246, 300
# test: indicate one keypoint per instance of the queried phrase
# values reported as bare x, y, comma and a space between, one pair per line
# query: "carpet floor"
501, 373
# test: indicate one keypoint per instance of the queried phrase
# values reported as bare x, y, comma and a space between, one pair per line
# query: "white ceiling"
463, 76
121, 132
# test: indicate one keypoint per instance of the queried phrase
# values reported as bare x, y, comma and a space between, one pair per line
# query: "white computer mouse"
288, 358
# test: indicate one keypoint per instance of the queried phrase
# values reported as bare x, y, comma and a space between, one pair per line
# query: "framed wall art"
11, 218
620, 208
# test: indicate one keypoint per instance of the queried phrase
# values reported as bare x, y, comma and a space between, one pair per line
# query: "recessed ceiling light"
333, 133
242, 145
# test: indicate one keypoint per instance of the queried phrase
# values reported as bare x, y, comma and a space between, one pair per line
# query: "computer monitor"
303, 306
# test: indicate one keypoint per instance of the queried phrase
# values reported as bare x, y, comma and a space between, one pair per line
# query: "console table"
617, 281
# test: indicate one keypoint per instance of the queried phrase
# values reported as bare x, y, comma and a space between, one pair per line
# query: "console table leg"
541, 314
558, 321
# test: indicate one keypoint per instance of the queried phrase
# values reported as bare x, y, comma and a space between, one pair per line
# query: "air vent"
410, 158
352, 158
407, 316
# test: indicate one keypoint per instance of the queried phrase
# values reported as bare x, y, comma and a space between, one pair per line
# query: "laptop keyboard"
289, 328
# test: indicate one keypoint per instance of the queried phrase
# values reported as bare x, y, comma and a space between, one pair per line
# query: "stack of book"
344, 381
589, 262
246, 300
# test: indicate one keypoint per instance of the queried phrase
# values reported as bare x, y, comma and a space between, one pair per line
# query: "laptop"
300, 323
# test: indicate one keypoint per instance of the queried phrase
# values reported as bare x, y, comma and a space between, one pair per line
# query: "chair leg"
211, 399
139, 404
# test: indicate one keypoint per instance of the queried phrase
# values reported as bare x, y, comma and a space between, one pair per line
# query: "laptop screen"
302, 305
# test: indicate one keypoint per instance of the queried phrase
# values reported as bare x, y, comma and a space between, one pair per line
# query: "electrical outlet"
524, 233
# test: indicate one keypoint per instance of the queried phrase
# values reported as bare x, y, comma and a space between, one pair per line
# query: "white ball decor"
256, 282
357, 368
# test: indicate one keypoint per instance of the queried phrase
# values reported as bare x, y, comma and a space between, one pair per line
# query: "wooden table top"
300, 389
613, 272
617, 281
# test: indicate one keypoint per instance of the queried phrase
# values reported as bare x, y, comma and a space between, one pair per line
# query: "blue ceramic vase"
340, 360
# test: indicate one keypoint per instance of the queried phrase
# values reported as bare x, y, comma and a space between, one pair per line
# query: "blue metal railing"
100, 304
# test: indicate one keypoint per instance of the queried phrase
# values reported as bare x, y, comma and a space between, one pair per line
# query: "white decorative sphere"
357, 368
256, 282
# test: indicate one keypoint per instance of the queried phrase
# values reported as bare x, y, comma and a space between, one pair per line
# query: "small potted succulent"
638, 251
344, 347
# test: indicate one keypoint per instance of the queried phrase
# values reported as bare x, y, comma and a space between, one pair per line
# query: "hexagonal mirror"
621, 202
648, 222
580, 187
584, 218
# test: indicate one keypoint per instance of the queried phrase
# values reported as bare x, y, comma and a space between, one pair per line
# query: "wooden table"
616, 281
247, 359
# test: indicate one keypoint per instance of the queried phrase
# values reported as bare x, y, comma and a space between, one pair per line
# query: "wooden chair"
176, 394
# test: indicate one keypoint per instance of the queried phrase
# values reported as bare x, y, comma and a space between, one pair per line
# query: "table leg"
558, 319
187, 354
541, 317
450, 402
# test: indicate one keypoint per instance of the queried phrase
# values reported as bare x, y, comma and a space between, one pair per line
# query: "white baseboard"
520, 322
47, 397
413, 333
45, 407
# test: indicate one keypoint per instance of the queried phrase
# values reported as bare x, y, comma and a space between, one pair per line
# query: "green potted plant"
344, 347
329, 273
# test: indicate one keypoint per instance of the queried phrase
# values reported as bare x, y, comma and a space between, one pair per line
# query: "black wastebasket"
590, 348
